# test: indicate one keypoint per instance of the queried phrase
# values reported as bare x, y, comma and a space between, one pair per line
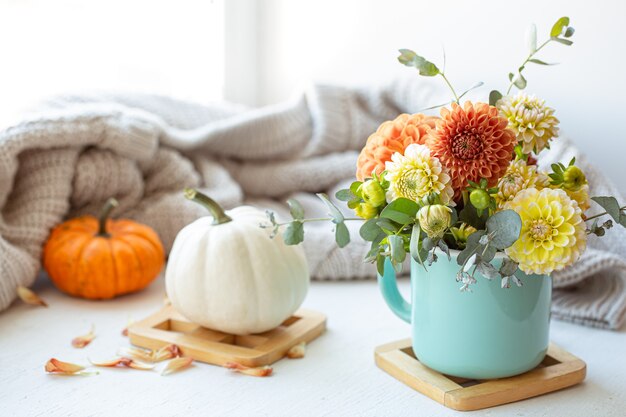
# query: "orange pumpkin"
102, 258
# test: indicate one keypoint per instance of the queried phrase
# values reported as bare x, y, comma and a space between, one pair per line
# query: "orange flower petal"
82, 341
297, 351
29, 297
166, 352
136, 353
176, 365
55, 366
123, 362
260, 371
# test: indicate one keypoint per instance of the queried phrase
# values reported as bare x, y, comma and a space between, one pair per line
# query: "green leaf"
342, 235
470, 216
470, 246
411, 59
417, 253
622, 220
387, 225
369, 230
428, 244
505, 226
487, 270
558, 27
380, 264
563, 41
540, 62
611, 206
494, 96
354, 188
344, 195
508, 267
401, 210
520, 81
333, 210
531, 38
569, 32
294, 233
396, 246
296, 209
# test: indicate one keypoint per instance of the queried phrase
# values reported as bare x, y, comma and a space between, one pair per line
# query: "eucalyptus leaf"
380, 264
520, 81
494, 96
487, 270
488, 253
611, 206
411, 59
369, 230
334, 212
540, 62
428, 244
387, 225
517, 281
470, 247
508, 267
294, 233
505, 226
402, 205
441, 244
417, 253
396, 216
558, 27
296, 209
344, 195
563, 41
505, 283
569, 32
396, 246
342, 235
531, 38
431, 258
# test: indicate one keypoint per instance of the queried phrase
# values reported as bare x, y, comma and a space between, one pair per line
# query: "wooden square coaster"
210, 346
559, 369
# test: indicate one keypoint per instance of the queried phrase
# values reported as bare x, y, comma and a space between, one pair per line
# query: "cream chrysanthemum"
553, 232
532, 121
416, 174
518, 176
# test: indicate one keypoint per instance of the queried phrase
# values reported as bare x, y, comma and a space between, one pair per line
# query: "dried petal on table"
176, 365
260, 371
29, 297
136, 353
125, 329
57, 367
297, 351
82, 341
166, 352
124, 362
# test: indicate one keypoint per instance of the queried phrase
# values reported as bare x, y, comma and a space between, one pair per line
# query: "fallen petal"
82, 341
125, 330
29, 297
176, 365
260, 371
136, 353
166, 352
123, 362
297, 351
55, 366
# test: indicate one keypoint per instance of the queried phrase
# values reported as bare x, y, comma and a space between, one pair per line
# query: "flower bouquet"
468, 181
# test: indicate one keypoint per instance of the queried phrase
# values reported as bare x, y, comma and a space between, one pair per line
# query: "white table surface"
337, 377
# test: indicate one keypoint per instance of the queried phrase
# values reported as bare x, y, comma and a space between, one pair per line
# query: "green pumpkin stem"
108, 207
219, 217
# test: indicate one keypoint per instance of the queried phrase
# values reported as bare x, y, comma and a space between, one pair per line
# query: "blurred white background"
260, 52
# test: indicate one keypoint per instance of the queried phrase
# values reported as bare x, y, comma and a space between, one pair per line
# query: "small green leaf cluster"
366, 198
570, 177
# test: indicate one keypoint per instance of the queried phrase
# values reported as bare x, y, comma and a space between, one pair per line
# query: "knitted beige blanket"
69, 156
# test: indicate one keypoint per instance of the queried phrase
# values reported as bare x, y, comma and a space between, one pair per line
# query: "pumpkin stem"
217, 212
108, 207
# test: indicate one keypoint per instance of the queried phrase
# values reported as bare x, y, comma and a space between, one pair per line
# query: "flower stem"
108, 207
528, 58
317, 219
456, 97
602, 214
219, 217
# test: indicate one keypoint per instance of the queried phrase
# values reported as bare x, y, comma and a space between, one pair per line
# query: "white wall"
356, 42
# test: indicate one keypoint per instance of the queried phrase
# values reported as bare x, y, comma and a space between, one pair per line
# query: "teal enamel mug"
490, 332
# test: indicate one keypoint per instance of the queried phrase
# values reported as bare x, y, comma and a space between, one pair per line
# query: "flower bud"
366, 211
372, 193
462, 233
434, 220
573, 178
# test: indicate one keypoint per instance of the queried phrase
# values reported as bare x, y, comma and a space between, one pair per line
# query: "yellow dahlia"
417, 174
390, 137
518, 177
533, 122
473, 142
553, 232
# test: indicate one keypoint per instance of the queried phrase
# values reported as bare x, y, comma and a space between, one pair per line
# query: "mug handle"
389, 288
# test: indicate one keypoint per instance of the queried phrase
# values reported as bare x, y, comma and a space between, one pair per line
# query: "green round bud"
372, 193
573, 178
480, 199
366, 211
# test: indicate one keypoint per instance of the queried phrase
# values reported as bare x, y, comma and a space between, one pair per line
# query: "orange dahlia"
473, 142
390, 137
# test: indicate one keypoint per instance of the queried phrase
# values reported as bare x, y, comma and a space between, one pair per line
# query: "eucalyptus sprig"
560, 33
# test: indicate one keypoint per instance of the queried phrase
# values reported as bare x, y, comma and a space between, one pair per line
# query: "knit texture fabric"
71, 154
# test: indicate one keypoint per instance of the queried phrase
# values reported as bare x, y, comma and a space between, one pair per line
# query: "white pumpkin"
226, 273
